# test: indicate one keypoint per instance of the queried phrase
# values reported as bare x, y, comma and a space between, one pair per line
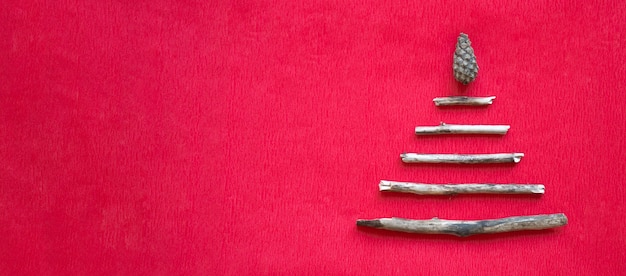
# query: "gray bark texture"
463, 100
464, 228
462, 158
449, 189
444, 128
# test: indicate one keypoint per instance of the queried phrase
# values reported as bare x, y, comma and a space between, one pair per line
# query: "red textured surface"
246, 137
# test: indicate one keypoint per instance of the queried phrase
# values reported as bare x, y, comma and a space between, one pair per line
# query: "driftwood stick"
462, 158
444, 128
463, 100
449, 189
464, 228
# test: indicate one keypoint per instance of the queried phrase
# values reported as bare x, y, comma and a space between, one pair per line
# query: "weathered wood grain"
464, 228
448, 189
462, 158
444, 128
463, 100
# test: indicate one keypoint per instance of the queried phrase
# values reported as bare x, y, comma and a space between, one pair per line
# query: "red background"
246, 137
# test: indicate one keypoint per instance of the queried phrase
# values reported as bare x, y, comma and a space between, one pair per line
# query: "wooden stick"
444, 128
463, 100
464, 228
449, 189
461, 158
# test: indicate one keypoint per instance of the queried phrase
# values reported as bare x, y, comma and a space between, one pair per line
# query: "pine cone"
464, 66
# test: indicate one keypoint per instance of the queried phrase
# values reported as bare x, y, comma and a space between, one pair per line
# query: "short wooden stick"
464, 228
463, 100
444, 128
448, 189
462, 158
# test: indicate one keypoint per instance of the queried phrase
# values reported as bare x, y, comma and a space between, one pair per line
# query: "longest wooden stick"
461, 158
449, 189
464, 228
